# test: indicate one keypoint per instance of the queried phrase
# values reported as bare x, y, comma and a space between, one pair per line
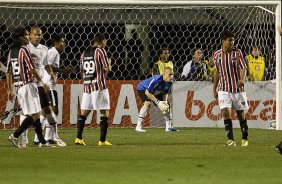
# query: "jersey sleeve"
26, 57
154, 82
241, 59
52, 57
103, 57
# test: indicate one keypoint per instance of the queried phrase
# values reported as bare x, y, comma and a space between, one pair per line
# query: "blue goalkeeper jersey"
155, 85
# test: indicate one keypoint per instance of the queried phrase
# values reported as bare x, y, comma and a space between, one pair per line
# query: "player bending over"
156, 89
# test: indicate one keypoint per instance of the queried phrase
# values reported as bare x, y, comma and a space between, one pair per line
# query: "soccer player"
39, 58
53, 57
20, 73
158, 68
230, 73
94, 66
256, 65
155, 89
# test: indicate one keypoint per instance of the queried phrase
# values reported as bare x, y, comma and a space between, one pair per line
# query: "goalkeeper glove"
163, 106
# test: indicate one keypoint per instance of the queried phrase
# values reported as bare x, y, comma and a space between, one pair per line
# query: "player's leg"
27, 121
50, 119
86, 107
53, 96
143, 111
241, 104
101, 102
225, 104
25, 133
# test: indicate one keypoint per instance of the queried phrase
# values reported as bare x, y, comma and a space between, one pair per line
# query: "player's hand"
11, 96
163, 106
109, 68
240, 83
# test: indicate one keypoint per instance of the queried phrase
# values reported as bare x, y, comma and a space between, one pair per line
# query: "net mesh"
178, 28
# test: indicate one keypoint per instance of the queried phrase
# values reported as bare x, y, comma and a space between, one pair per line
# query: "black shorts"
53, 96
144, 97
43, 97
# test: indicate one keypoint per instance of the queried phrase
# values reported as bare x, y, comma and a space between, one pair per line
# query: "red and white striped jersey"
92, 65
229, 66
20, 65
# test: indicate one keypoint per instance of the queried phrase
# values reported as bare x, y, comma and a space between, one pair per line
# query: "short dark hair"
162, 49
226, 34
55, 38
99, 37
16, 34
194, 51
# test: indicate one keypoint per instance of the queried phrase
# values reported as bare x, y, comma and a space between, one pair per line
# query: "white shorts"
236, 101
96, 100
28, 99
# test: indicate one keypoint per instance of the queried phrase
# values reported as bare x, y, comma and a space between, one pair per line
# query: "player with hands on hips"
156, 89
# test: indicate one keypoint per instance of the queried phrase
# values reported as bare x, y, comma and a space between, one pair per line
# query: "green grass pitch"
192, 155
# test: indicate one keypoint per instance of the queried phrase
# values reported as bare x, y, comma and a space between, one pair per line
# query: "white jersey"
39, 58
53, 59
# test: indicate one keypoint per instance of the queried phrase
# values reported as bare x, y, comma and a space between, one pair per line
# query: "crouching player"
156, 89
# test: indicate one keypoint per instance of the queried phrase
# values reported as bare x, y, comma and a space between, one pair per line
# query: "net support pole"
278, 70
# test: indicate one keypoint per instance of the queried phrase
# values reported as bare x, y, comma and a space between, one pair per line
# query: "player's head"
20, 36
164, 54
58, 41
35, 35
227, 40
256, 52
197, 54
168, 74
100, 40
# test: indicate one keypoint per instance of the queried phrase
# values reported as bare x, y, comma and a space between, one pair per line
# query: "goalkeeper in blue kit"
156, 89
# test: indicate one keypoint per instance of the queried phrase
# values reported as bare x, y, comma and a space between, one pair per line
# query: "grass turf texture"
193, 155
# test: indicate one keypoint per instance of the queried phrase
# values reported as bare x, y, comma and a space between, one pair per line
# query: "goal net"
136, 34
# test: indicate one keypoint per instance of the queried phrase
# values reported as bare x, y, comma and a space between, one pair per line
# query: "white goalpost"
180, 26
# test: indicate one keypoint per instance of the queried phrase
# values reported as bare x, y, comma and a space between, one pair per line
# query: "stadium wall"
193, 105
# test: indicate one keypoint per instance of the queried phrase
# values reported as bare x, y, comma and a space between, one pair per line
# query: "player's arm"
242, 77
49, 70
215, 84
108, 67
36, 75
9, 80
151, 96
65, 71
243, 66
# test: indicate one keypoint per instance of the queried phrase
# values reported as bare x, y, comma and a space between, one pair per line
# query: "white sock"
170, 118
141, 117
55, 133
48, 131
24, 134
167, 122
